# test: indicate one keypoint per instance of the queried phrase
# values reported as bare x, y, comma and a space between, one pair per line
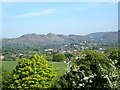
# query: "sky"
66, 18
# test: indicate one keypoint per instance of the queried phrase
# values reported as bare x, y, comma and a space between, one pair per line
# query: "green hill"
50, 39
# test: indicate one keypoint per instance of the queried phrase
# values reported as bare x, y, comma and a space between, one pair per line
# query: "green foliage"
58, 57
49, 58
31, 73
9, 66
90, 69
68, 55
8, 56
5, 75
114, 55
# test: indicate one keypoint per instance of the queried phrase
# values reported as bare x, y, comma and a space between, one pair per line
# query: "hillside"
103, 37
50, 38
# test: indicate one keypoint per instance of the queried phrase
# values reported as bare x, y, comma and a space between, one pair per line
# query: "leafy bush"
31, 73
68, 55
58, 57
90, 69
5, 75
114, 55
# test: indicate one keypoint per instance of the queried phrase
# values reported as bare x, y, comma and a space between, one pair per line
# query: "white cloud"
41, 13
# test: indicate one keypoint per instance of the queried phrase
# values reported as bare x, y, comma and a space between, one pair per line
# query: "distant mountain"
104, 35
50, 38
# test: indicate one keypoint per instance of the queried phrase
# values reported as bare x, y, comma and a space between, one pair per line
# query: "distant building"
101, 51
21, 54
75, 50
69, 51
63, 51
85, 41
66, 45
75, 45
66, 61
48, 50
1, 57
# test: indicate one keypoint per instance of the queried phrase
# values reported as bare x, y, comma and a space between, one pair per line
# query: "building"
1, 57
48, 50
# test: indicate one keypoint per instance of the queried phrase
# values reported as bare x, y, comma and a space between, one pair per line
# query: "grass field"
9, 65
60, 67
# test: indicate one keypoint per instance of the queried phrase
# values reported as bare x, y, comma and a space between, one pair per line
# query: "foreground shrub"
90, 70
31, 73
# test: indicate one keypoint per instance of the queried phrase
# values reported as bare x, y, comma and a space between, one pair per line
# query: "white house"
1, 57
48, 50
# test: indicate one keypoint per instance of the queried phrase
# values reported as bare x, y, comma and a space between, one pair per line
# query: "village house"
1, 57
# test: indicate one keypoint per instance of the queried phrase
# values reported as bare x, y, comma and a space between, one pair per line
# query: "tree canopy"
90, 69
31, 73
58, 57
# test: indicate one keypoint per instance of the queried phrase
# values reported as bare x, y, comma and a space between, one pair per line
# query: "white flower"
91, 76
85, 78
83, 71
77, 76
90, 81
73, 82
74, 69
76, 57
80, 85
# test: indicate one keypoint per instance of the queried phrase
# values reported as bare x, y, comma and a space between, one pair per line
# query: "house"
1, 57
63, 52
48, 50
101, 51
66, 61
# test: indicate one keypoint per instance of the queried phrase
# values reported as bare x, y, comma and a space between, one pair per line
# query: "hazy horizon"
79, 18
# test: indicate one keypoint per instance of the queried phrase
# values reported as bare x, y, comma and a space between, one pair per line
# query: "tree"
92, 70
49, 58
114, 55
31, 73
68, 55
58, 57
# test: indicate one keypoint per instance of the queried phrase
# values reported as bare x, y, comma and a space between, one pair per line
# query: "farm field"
9, 65
60, 67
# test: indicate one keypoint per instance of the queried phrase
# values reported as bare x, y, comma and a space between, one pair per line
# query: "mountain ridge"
51, 38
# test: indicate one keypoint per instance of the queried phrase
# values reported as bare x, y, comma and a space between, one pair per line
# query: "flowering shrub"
90, 69
31, 73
